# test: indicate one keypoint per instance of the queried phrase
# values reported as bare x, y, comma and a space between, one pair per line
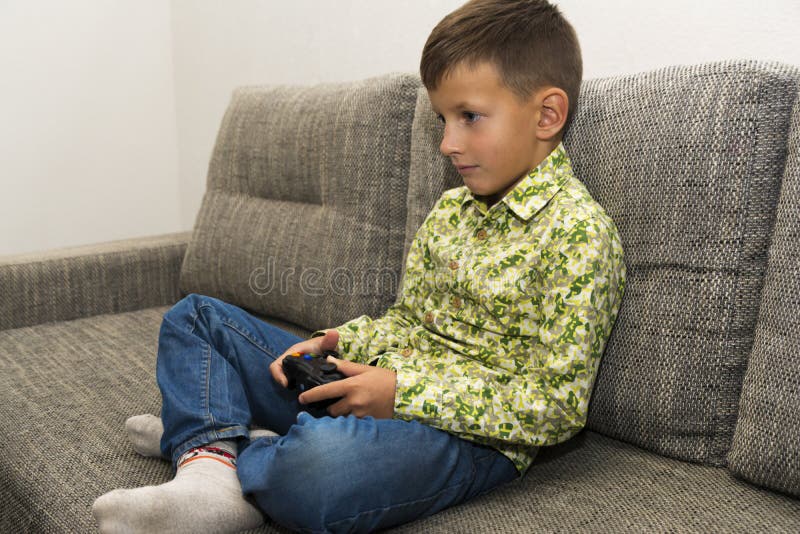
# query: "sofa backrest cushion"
304, 213
766, 445
688, 162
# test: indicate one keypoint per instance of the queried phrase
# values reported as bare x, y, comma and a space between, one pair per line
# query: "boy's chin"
489, 198
480, 192
475, 187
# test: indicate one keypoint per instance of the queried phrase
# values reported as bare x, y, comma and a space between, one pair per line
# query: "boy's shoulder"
576, 202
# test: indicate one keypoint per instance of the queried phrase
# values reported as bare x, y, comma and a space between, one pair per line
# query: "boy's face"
489, 134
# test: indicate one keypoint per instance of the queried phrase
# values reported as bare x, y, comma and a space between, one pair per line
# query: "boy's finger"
325, 391
329, 341
340, 408
276, 369
348, 368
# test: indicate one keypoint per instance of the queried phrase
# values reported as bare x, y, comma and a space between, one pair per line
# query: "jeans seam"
249, 337
206, 370
241, 330
209, 415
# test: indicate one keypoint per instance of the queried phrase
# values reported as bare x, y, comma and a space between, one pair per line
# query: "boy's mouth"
465, 169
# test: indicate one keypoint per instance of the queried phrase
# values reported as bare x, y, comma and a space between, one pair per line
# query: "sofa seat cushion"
594, 483
64, 408
65, 391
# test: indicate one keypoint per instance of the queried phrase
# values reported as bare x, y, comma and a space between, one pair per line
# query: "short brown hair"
529, 42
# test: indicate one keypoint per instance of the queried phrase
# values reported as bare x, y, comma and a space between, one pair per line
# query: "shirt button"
428, 317
481, 234
453, 265
406, 352
456, 302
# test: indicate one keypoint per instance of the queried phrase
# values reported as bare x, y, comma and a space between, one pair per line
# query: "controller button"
327, 367
308, 357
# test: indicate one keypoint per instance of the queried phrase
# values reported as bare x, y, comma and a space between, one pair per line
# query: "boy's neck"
547, 148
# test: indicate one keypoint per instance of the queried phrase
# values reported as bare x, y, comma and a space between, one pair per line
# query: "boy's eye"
468, 116
471, 117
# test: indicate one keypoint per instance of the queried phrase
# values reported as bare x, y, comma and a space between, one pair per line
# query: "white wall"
219, 46
109, 109
627, 36
88, 143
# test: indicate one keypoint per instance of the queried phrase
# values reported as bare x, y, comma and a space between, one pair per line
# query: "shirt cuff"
416, 397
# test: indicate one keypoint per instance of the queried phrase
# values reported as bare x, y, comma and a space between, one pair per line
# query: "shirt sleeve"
578, 292
363, 339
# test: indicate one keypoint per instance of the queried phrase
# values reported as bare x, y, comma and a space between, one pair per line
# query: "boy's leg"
145, 432
213, 371
351, 474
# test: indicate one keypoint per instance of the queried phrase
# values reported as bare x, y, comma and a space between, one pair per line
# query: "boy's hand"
314, 346
367, 391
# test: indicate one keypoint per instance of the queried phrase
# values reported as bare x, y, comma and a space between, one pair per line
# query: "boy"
512, 285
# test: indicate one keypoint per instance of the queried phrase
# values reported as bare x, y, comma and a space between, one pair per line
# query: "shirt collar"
536, 189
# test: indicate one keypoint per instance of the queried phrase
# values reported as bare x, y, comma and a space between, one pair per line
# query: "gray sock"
204, 496
144, 432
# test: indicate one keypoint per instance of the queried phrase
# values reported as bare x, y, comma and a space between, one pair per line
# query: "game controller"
306, 371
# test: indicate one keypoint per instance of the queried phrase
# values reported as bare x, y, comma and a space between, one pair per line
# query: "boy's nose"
449, 145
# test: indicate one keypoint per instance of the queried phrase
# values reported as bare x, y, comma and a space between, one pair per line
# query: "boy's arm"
363, 338
547, 402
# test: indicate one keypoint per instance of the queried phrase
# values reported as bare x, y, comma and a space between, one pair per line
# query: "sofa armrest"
75, 282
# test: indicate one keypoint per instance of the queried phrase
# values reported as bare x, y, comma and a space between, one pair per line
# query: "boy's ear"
552, 105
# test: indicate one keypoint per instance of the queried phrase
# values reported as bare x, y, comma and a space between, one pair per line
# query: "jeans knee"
187, 311
309, 475
184, 309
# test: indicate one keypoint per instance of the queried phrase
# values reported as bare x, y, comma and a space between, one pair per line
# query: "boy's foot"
204, 496
144, 432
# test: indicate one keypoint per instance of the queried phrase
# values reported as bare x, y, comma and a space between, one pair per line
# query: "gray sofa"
313, 195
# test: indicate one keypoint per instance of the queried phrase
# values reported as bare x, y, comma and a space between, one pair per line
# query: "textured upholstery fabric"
63, 411
701, 195
307, 197
75, 282
65, 392
597, 484
766, 445
688, 162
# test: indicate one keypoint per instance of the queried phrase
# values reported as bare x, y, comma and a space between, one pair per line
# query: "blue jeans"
322, 474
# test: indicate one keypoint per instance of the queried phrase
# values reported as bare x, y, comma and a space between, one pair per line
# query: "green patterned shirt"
503, 314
